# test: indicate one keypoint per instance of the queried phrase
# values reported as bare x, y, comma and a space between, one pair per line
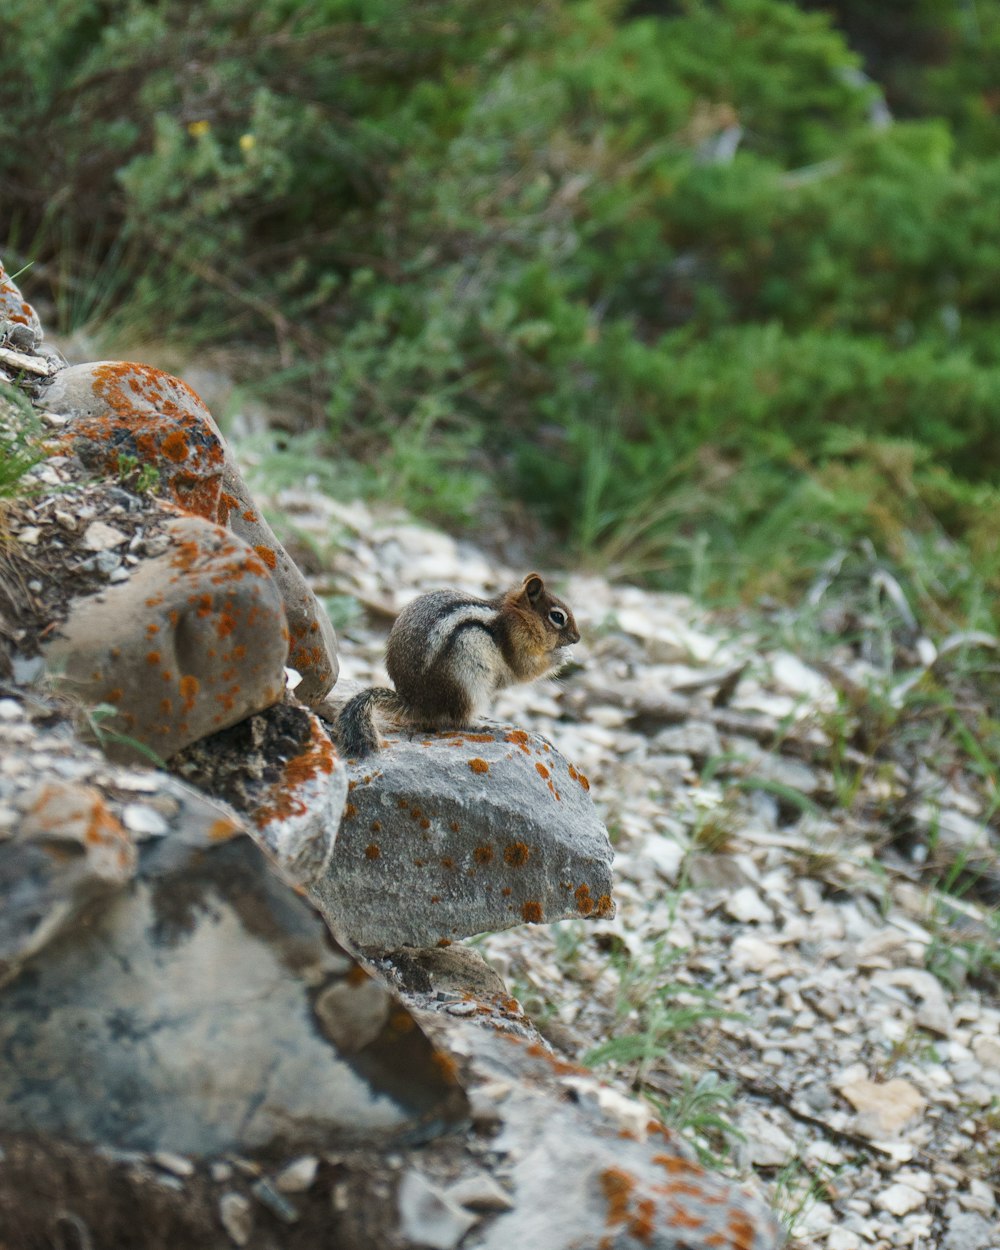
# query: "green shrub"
667, 278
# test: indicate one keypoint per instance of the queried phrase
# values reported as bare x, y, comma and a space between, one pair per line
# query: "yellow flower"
247, 142
199, 128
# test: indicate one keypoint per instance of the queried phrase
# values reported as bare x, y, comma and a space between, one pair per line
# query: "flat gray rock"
206, 1010
449, 835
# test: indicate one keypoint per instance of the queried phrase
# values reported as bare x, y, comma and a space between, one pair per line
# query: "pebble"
236, 1216
170, 1162
900, 1199
428, 1217
297, 1176
101, 537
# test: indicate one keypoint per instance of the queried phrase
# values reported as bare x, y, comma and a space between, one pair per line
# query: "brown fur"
449, 652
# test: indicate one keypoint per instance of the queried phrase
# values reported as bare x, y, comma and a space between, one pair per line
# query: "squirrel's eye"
558, 617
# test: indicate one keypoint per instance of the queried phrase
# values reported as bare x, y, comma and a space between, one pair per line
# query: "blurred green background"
698, 291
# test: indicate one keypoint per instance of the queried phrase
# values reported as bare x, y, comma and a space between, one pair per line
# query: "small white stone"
100, 537
480, 1193
900, 1199
298, 1176
29, 536
747, 906
428, 1217
170, 1162
144, 821
842, 1239
986, 1049
236, 1215
767, 1145
980, 1198
10, 710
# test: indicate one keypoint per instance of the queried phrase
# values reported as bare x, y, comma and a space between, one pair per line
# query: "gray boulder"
166, 990
453, 834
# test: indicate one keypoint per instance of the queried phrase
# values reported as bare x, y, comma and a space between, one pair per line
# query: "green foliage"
669, 279
144, 479
20, 442
699, 1110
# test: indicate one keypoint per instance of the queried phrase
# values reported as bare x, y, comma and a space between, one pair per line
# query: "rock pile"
766, 858
188, 1055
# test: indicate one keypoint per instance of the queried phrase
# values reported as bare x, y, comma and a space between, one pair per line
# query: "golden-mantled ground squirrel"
448, 653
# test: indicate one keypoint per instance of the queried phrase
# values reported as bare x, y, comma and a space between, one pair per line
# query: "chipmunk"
449, 652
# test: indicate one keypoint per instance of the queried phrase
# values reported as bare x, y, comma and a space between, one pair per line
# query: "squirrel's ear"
533, 586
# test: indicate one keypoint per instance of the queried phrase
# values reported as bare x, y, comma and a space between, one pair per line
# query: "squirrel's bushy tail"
356, 731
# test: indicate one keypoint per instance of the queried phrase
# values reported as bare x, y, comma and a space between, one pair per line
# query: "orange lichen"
454, 826
520, 739
542, 771
516, 854
643, 1224
350, 811
684, 1219
424, 823
175, 446
584, 903
532, 912
402, 1022
153, 657
446, 1066
506, 891
267, 554
583, 781
222, 829
447, 862
605, 907
285, 796
676, 1166
373, 851
114, 695
479, 766
483, 854
740, 1231
617, 1186
189, 687
376, 826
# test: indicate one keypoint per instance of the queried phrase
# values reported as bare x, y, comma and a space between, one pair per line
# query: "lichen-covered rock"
205, 1009
281, 770
69, 848
119, 409
15, 308
313, 643
190, 1001
450, 835
583, 1172
193, 641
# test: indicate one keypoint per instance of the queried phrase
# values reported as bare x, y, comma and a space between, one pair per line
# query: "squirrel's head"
555, 616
